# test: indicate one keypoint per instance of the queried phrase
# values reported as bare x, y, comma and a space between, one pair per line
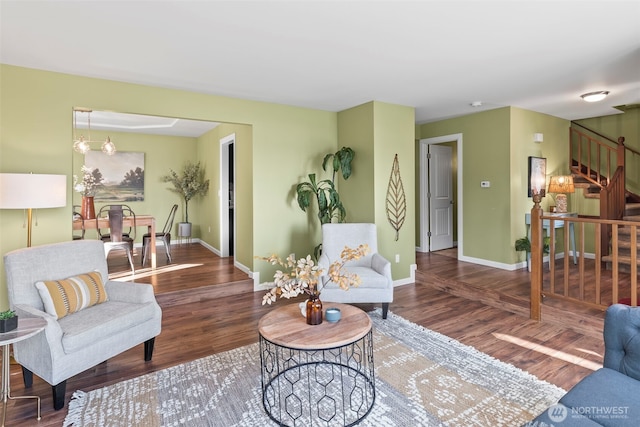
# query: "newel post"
536, 258
620, 152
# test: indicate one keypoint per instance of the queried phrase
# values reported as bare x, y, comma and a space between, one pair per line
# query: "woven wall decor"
396, 200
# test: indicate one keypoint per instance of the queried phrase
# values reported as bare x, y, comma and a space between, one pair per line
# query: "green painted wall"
209, 149
36, 136
356, 130
206, 210
377, 132
554, 148
485, 157
277, 146
394, 135
496, 145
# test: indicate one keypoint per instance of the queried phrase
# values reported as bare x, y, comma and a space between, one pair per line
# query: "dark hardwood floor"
209, 307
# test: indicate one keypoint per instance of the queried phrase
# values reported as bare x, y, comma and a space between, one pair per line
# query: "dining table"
128, 221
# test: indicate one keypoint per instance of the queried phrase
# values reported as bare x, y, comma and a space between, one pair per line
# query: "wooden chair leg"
58, 395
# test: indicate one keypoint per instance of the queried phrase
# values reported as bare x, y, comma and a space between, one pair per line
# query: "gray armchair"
373, 269
74, 342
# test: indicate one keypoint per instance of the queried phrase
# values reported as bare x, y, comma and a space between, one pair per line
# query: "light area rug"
423, 378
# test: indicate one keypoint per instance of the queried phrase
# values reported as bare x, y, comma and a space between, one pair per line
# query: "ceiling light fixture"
82, 145
476, 104
595, 96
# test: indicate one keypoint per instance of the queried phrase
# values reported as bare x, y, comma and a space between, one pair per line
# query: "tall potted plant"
188, 184
330, 207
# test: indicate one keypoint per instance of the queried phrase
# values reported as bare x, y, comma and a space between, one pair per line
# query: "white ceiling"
437, 56
139, 123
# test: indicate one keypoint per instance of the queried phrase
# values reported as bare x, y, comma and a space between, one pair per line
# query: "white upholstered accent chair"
83, 339
373, 269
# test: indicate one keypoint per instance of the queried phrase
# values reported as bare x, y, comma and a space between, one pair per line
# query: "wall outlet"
485, 184
397, 258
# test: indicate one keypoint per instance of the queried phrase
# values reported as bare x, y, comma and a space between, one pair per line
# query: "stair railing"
603, 163
587, 283
596, 160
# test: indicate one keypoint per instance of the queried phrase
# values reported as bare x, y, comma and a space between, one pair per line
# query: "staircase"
598, 166
624, 243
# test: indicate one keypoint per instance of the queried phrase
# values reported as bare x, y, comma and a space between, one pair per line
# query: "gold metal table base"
6, 389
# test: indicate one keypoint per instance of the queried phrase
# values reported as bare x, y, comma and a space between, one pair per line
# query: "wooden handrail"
593, 159
603, 163
593, 132
587, 283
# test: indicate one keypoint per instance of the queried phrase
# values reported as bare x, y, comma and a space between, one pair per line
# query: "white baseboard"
236, 264
409, 280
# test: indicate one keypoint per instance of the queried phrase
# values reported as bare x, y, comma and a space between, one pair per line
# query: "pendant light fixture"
82, 144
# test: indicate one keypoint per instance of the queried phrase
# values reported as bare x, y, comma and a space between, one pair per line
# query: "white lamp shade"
35, 191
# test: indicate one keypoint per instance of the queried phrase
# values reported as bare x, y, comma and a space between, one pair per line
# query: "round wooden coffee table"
317, 375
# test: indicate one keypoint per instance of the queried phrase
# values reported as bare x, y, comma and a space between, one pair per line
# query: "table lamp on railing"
561, 185
32, 191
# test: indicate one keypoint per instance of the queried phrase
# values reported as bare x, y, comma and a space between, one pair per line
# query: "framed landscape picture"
122, 175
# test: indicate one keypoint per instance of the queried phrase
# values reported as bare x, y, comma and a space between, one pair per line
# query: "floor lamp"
32, 191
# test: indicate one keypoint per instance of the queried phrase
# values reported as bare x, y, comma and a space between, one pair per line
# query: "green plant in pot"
523, 244
330, 207
189, 183
8, 321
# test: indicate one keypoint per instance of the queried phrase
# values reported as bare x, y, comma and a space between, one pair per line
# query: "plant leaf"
396, 201
346, 156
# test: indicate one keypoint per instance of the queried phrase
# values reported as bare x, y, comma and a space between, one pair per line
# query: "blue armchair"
611, 395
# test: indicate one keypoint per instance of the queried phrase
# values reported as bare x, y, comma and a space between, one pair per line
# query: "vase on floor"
88, 209
314, 310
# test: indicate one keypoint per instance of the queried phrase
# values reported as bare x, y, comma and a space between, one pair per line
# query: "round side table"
27, 327
317, 375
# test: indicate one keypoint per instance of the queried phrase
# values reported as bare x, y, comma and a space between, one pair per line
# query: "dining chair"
164, 235
116, 238
103, 213
77, 216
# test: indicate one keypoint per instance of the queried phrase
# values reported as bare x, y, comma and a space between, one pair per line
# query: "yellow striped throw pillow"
66, 296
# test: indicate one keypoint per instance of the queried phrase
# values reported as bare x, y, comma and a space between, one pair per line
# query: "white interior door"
440, 198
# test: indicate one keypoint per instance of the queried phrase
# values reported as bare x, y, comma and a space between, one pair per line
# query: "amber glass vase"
314, 310
88, 209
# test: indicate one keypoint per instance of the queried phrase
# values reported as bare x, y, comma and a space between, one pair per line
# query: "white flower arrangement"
91, 182
303, 275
